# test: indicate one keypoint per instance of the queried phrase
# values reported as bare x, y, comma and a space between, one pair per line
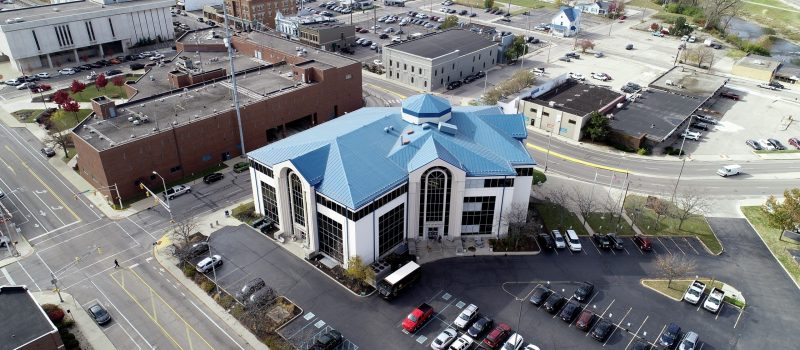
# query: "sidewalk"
23, 250
89, 330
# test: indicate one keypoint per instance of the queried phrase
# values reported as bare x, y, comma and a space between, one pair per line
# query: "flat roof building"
367, 182
184, 119
436, 59
254, 14
68, 33
756, 67
651, 117
565, 108
24, 325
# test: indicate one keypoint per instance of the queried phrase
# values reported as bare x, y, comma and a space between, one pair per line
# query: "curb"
770, 249
715, 237
247, 336
641, 281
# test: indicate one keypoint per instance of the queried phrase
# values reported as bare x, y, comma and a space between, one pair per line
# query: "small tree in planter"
72, 106
77, 87
100, 82
60, 97
359, 271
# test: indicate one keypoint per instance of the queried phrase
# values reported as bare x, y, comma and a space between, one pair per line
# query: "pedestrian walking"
116, 263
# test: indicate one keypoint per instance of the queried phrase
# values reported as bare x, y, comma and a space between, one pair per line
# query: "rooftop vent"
447, 128
174, 122
426, 126
133, 136
409, 131
405, 141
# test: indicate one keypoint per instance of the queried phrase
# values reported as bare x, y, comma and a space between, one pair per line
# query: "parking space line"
562, 307
594, 245
637, 247
655, 341
636, 334
664, 245
601, 317
691, 246
719, 311
618, 326
676, 245
741, 312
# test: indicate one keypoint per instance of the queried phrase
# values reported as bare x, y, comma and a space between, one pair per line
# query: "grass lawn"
771, 238
534, 4
63, 120
645, 3
27, 115
551, 214
778, 151
111, 90
668, 226
784, 19
605, 222
678, 287
70, 151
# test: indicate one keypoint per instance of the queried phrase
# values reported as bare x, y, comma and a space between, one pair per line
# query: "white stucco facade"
65, 34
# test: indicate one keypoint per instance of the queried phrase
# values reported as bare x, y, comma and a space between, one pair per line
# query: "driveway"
496, 283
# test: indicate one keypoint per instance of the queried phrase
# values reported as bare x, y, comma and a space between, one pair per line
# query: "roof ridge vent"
404, 140
448, 128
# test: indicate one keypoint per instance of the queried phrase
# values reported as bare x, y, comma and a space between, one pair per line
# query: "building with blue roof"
566, 22
364, 183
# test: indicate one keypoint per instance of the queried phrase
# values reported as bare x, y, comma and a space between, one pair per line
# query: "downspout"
375, 210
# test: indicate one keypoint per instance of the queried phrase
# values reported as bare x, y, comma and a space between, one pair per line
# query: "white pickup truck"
714, 300
694, 292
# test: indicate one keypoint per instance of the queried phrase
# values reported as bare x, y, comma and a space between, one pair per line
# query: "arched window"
298, 199
434, 212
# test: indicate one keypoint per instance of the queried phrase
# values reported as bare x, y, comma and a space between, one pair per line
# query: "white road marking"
636, 334
38, 289
142, 228
148, 259
618, 326
134, 265
737, 319
659, 334
54, 230
123, 316
7, 276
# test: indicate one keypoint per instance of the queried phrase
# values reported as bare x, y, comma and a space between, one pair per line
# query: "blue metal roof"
571, 13
426, 106
360, 156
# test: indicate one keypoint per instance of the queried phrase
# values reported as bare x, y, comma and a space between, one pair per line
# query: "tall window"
298, 199
435, 198
478, 215
270, 202
330, 237
390, 229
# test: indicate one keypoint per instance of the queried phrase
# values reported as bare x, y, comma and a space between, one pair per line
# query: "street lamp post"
547, 155
169, 209
213, 267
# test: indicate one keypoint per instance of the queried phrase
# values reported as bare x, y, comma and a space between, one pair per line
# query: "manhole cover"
460, 304
309, 316
446, 296
421, 339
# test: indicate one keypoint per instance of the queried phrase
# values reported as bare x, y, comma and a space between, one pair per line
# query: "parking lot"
304, 331
688, 246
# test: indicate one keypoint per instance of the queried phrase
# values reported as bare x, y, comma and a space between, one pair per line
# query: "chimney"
104, 107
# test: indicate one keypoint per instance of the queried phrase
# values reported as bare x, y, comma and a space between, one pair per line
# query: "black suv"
546, 241
553, 303
569, 311
584, 291
480, 326
330, 340
539, 295
454, 85
211, 178
601, 241
602, 330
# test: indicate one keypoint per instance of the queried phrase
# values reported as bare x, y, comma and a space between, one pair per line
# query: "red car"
643, 243
794, 141
417, 318
731, 96
41, 88
497, 336
585, 320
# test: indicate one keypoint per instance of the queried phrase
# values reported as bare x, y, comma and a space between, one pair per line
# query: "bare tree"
585, 202
661, 208
586, 44
517, 221
182, 231
688, 204
704, 54
560, 196
673, 266
59, 139
715, 10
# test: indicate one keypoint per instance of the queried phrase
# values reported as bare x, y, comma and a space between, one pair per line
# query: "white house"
81, 31
290, 26
365, 183
567, 22
194, 5
599, 8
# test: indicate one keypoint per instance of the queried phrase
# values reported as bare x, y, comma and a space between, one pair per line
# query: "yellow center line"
580, 161
53, 193
174, 342
173, 310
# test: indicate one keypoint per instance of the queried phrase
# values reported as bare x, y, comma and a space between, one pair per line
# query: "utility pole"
54, 281
229, 46
547, 156
674, 191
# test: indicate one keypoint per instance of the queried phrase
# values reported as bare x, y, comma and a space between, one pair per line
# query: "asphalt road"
78, 244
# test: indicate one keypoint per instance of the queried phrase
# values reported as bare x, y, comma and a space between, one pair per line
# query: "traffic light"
147, 194
141, 186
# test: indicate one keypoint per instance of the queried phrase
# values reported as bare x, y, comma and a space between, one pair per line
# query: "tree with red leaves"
77, 87
72, 106
60, 97
100, 82
118, 80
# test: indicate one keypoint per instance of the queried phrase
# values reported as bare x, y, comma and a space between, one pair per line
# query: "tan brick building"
248, 12
182, 121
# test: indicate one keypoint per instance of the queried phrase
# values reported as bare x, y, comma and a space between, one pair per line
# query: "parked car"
444, 339
417, 317
99, 313
40, 88
794, 141
463, 342
13, 82
196, 249
730, 95
777, 144
598, 54
176, 191
559, 239
777, 85
616, 241
211, 178
497, 336
43, 75
602, 330
629, 47
706, 119
545, 241
643, 242
585, 320
539, 295
481, 325
577, 76
689, 341
573, 242
553, 303
600, 76
630, 88
466, 317
514, 342
569, 311
328, 341
701, 126
208, 263
691, 135
454, 85
755, 145
601, 241
714, 300
766, 145
113, 72
584, 291
694, 292
767, 86
564, 59
48, 152
670, 335
249, 288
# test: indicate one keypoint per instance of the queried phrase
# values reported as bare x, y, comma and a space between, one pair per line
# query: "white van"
729, 170
573, 242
